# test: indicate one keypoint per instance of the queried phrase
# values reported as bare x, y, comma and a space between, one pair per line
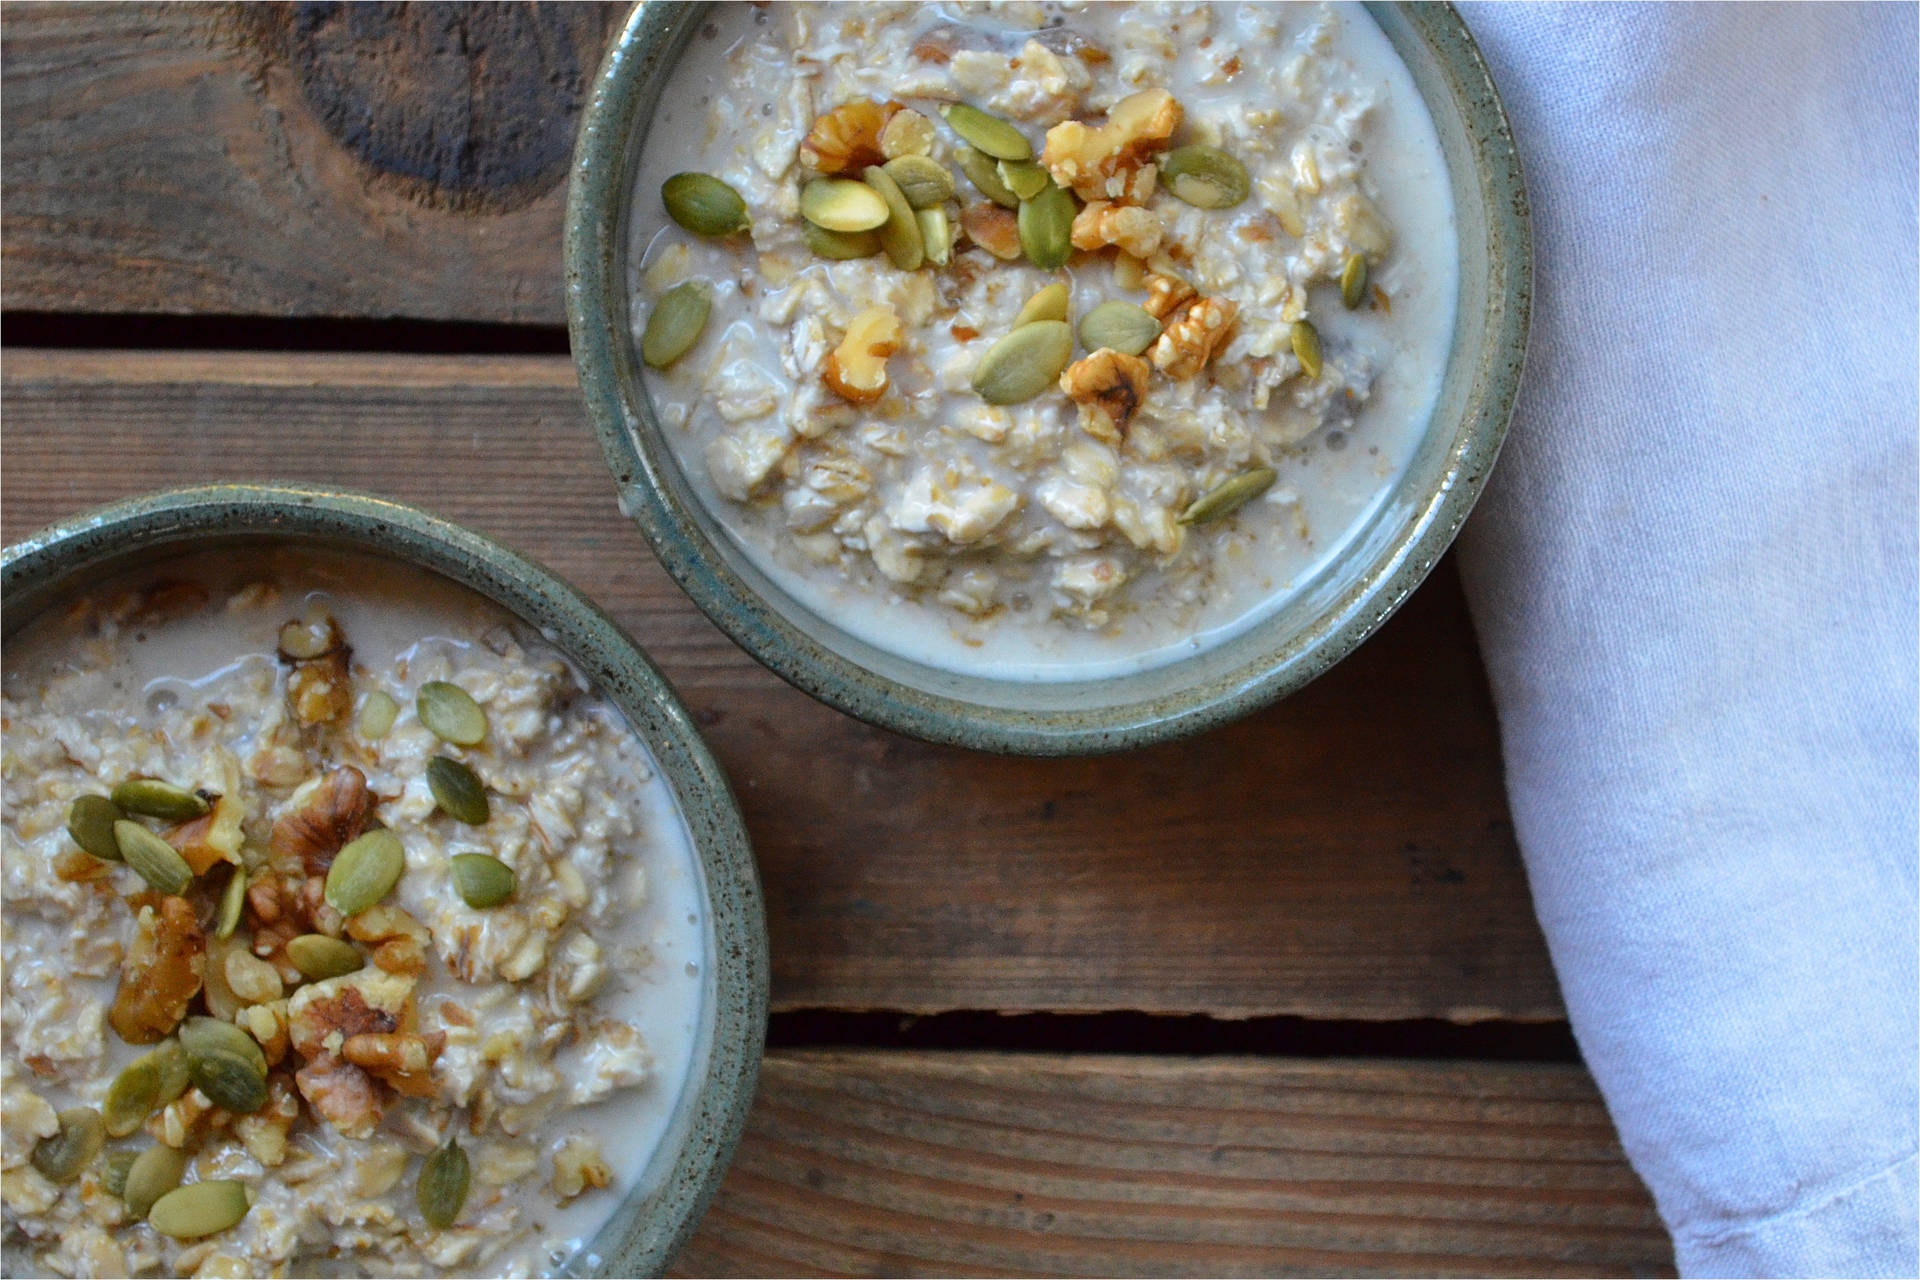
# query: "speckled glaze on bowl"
1380, 567
646, 1230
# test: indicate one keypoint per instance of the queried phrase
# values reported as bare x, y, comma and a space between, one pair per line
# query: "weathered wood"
875, 1163
1346, 854
291, 160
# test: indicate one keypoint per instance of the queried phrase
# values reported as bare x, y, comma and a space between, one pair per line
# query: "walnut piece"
341, 1094
847, 137
856, 370
403, 1061
1193, 339
1165, 293
320, 686
1112, 161
399, 941
1135, 230
578, 1165
162, 973
353, 1030
994, 229
264, 1132
333, 813
1108, 386
211, 838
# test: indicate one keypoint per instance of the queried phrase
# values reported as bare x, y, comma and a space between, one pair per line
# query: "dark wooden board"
1345, 854
874, 1163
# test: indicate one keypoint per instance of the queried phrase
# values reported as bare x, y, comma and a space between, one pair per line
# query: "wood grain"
874, 1163
1345, 854
291, 160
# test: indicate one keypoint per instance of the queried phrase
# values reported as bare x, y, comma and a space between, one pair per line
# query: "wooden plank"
873, 1163
1345, 854
317, 160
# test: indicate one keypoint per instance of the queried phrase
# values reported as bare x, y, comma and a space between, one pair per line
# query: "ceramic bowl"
44, 570
1326, 619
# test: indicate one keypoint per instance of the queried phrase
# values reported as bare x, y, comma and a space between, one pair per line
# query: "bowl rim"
597, 321
103, 539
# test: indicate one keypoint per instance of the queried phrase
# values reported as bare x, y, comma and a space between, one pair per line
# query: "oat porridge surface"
1252, 195
528, 990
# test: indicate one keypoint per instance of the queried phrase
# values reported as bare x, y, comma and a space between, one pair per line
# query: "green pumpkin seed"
841, 246
481, 880
457, 790
90, 823
923, 181
203, 1209
841, 204
703, 204
1048, 304
442, 1189
64, 1154
113, 1175
1228, 496
154, 1173
225, 1063
365, 872
1024, 363
1046, 228
675, 325
320, 957
449, 712
1023, 177
158, 862
936, 235
159, 799
1120, 325
131, 1098
900, 233
1306, 346
1206, 177
1353, 282
233, 900
169, 1060
987, 133
984, 173
377, 715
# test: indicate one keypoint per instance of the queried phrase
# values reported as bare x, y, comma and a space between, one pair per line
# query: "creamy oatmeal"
345, 931
1054, 339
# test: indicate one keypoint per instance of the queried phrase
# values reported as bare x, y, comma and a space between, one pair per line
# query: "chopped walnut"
1135, 230
334, 812
1165, 294
856, 370
351, 1030
267, 1023
77, 866
399, 941
1193, 339
211, 838
187, 1119
578, 1165
908, 133
323, 1016
265, 1131
1108, 386
162, 972
403, 1061
994, 229
1111, 161
320, 685
341, 1094
847, 138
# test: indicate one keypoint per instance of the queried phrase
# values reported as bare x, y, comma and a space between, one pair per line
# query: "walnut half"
1108, 386
162, 973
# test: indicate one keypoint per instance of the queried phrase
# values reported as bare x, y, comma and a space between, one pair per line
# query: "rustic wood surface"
1345, 854
860, 1163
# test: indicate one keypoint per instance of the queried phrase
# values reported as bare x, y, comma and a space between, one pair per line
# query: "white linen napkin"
1693, 576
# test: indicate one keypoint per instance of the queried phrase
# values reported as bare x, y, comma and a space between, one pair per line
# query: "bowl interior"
1385, 559
685, 1169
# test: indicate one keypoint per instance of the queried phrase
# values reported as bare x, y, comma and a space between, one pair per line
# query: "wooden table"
1282, 1003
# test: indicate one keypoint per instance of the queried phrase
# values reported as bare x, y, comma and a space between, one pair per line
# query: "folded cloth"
1693, 574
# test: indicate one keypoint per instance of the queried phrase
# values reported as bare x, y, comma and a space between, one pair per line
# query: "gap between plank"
275, 333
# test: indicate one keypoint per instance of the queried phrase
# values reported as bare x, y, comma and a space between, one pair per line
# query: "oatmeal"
1054, 339
345, 929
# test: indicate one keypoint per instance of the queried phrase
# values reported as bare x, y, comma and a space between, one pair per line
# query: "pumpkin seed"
482, 881
1306, 346
132, 1096
703, 204
1120, 325
984, 173
169, 1060
675, 325
1353, 282
1048, 304
158, 862
1046, 228
63, 1154
320, 957
1205, 176
442, 1189
1023, 177
159, 799
225, 1063
924, 182
987, 133
1024, 363
154, 1173
203, 1209
900, 233
450, 712
457, 790
90, 822
841, 204
113, 1175
233, 900
936, 235
377, 715
1228, 496
365, 872
840, 246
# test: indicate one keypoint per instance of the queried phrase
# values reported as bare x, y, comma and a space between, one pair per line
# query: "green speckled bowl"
45, 569
1345, 604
